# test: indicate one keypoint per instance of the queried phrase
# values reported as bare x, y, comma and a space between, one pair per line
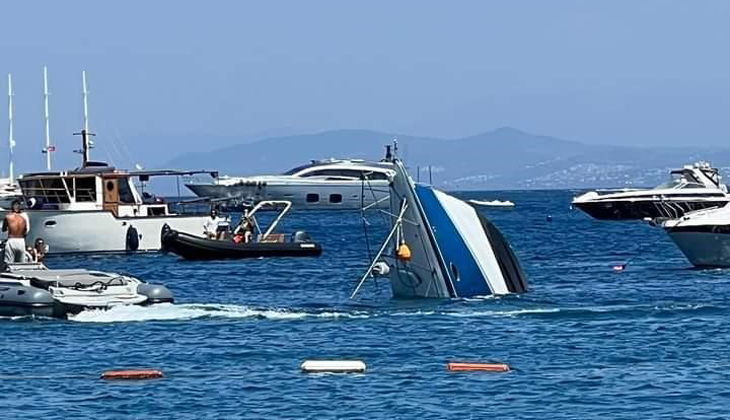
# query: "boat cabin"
92, 188
699, 175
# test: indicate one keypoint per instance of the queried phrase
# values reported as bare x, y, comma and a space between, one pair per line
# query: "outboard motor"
155, 293
300, 236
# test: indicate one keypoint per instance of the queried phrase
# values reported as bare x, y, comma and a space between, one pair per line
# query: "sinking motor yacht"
694, 187
322, 184
33, 289
442, 247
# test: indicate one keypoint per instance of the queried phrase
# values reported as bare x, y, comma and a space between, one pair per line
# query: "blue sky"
162, 73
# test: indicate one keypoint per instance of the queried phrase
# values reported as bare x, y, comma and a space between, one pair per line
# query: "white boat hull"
312, 195
704, 249
101, 231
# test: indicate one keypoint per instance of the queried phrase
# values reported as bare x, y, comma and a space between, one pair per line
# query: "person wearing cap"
17, 225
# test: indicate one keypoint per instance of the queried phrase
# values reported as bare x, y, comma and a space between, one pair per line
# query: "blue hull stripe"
461, 267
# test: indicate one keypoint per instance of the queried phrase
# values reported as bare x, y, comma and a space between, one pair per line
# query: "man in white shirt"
210, 227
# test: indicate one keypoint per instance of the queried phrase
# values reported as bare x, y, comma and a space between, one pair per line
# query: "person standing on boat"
17, 225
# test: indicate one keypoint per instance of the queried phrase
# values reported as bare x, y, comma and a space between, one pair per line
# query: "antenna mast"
48, 149
86, 143
11, 138
86, 102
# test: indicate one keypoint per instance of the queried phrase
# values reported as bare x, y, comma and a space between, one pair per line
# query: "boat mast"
11, 138
86, 143
48, 149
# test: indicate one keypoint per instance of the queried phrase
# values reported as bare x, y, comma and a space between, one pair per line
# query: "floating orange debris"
486, 367
132, 374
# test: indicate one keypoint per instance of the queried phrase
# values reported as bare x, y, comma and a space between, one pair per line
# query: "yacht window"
46, 190
125, 193
455, 271
312, 198
297, 169
85, 189
335, 198
336, 173
378, 176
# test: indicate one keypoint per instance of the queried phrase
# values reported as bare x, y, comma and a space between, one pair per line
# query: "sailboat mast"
11, 138
47, 150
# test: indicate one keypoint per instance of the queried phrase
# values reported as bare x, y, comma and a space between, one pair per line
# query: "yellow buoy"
404, 252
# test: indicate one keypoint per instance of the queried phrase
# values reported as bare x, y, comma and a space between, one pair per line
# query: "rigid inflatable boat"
33, 289
264, 242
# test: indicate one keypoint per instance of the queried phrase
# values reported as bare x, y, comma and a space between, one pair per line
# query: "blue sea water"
586, 342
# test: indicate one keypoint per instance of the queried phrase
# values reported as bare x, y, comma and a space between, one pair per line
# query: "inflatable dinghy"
194, 247
33, 289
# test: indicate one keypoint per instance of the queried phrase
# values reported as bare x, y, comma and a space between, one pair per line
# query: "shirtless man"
16, 224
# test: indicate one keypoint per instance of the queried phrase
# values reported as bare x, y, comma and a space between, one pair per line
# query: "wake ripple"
184, 312
171, 312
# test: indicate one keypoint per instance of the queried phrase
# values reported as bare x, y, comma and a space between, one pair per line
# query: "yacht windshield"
681, 180
297, 169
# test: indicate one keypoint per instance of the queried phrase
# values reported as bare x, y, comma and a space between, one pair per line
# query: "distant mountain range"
505, 158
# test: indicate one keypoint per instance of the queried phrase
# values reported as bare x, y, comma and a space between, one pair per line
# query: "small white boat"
703, 236
33, 289
493, 203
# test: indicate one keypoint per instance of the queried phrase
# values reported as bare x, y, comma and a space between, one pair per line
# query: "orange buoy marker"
132, 374
484, 367
404, 252
333, 366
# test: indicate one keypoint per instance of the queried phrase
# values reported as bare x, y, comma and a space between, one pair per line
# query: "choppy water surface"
586, 342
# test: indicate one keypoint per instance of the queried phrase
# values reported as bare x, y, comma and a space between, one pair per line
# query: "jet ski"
34, 289
232, 245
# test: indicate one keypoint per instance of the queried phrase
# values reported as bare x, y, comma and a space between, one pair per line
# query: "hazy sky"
621, 72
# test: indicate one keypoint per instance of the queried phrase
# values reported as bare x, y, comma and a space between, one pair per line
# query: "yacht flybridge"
693, 187
320, 184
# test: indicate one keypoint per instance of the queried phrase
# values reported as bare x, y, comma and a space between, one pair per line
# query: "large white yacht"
97, 208
320, 184
694, 187
703, 236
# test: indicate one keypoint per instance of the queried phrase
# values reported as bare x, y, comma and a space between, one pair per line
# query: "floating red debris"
486, 367
132, 374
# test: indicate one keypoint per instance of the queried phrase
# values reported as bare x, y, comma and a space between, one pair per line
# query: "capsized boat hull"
193, 247
455, 251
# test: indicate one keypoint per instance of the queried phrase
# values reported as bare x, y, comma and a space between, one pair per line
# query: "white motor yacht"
97, 208
694, 187
703, 236
320, 184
